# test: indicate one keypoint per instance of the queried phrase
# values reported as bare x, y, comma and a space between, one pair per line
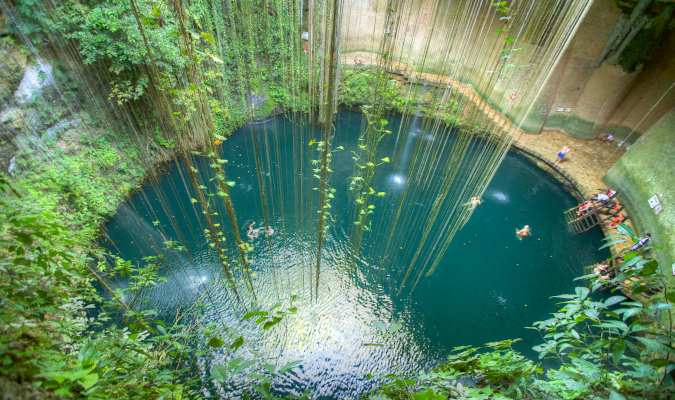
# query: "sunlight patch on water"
498, 196
397, 179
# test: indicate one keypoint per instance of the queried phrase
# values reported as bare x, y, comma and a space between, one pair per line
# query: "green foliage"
247, 365
40, 285
321, 169
88, 179
267, 319
358, 86
641, 48
46, 337
114, 364
366, 162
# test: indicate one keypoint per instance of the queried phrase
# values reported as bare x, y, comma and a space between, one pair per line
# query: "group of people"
607, 269
611, 207
607, 204
603, 201
252, 232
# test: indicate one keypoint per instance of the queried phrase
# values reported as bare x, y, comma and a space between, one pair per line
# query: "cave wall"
646, 169
587, 98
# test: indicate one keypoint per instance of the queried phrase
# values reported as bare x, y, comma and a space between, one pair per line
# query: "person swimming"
523, 232
252, 232
474, 202
269, 231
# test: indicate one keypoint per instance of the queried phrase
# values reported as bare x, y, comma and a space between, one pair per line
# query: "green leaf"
618, 350
626, 230
428, 394
255, 313
289, 366
653, 345
219, 373
614, 300
582, 292
616, 396
649, 268
271, 323
611, 324
564, 296
237, 343
630, 312
612, 243
670, 296
216, 342
88, 381
585, 277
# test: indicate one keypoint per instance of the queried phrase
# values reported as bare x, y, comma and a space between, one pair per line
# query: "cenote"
357, 321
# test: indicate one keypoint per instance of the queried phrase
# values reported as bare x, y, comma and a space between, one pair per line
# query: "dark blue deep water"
489, 285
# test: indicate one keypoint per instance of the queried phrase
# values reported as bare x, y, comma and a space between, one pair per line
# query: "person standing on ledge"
563, 153
642, 242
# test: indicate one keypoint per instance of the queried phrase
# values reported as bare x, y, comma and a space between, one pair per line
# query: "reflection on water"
397, 179
488, 287
498, 196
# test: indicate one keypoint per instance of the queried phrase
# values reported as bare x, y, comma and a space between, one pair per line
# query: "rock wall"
648, 169
588, 98
12, 64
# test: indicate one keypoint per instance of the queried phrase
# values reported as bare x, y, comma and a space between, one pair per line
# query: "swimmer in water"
474, 202
523, 232
252, 232
269, 231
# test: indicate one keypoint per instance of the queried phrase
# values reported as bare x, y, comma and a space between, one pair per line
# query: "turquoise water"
489, 286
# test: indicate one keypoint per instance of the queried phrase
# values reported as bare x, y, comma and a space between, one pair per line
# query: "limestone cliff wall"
588, 96
648, 169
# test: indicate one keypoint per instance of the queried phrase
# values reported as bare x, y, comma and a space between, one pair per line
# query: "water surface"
489, 286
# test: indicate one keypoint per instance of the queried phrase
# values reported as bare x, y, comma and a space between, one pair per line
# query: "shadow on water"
489, 286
